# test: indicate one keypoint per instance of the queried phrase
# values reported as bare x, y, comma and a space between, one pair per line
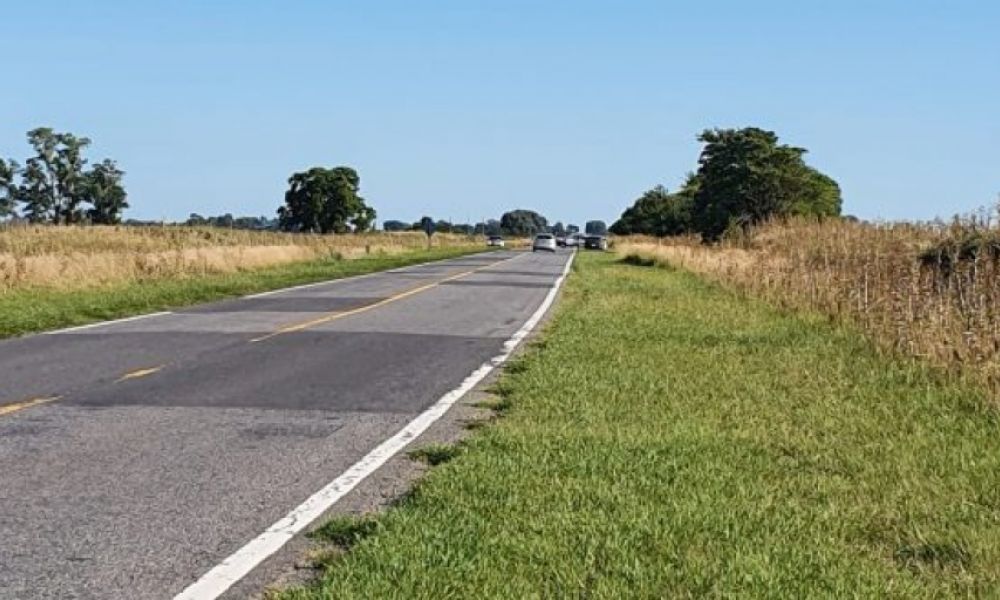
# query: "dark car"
595, 242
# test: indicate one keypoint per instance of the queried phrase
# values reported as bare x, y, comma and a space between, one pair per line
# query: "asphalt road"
134, 456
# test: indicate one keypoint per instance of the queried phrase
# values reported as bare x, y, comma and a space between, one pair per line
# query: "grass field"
667, 439
32, 309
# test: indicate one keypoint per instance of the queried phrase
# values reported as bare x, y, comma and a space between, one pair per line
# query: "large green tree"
745, 177
54, 187
103, 190
323, 200
59, 162
522, 222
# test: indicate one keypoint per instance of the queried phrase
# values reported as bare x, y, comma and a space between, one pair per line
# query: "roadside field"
667, 438
78, 257
928, 291
36, 309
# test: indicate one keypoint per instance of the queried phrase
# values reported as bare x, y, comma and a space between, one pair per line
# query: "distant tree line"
514, 223
744, 177
55, 185
440, 226
230, 222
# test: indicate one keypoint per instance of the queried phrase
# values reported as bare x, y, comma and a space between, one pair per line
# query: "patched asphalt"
135, 487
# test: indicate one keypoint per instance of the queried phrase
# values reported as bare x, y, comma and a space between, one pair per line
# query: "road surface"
136, 455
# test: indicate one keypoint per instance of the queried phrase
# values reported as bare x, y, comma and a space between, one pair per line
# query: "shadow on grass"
436, 454
347, 530
918, 557
637, 260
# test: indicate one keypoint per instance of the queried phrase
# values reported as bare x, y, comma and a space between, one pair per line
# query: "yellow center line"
138, 373
6, 409
346, 313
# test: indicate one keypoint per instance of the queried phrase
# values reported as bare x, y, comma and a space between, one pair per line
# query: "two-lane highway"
136, 455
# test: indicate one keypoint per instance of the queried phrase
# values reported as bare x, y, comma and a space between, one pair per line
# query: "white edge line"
103, 323
258, 295
224, 575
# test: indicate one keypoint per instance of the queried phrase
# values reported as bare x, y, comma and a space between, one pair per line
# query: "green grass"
30, 311
712, 447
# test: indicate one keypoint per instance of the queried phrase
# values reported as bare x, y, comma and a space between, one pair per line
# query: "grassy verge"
669, 439
27, 311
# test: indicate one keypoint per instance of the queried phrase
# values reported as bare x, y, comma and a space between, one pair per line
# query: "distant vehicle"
544, 241
495, 240
595, 242
560, 240
574, 240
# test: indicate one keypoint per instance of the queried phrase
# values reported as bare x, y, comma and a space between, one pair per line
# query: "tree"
8, 189
427, 225
59, 162
102, 188
658, 212
745, 177
523, 222
821, 198
364, 220
324, 201
55, 188
34, 193
558, 229
395, 226
595, 228
571, 229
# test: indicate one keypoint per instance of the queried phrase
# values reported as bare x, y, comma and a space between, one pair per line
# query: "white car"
495, 240
574, 240
544, 241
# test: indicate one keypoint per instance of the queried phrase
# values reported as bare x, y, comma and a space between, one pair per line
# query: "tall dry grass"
78, 257
930, 291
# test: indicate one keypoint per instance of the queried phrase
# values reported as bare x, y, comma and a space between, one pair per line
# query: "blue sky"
464, 109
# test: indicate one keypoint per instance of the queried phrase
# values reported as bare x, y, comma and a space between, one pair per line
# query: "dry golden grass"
79, 257
872, 276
